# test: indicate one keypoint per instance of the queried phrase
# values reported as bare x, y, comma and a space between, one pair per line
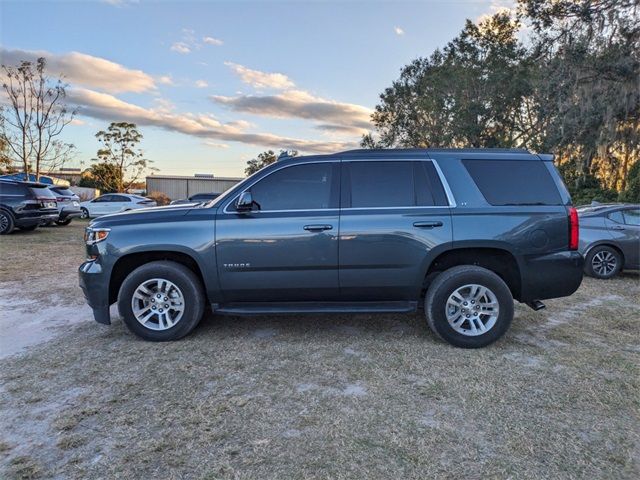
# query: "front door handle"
427, 224
617, 227
317, 228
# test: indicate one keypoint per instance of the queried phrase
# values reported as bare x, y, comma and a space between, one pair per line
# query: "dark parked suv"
25, 205
461, 232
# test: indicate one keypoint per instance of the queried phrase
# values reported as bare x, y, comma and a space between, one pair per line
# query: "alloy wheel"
604, 263
157, 304
472, 310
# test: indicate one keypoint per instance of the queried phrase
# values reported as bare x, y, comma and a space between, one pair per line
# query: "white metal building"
176, 187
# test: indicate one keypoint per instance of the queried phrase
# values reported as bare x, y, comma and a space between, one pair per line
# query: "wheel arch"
606, 243
129, 262
501, 261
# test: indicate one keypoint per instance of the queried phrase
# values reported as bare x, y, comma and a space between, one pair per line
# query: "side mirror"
245, 202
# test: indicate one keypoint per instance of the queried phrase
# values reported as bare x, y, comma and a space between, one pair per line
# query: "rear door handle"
617, 227
317, 228
427, 224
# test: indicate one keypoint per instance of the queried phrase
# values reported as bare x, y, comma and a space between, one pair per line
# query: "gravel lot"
366, 396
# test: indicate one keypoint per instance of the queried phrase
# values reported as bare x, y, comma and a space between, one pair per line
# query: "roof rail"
470, 150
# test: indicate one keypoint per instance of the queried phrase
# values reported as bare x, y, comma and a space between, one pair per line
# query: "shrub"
159, 197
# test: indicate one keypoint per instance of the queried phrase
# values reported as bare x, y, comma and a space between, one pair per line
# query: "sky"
212, 84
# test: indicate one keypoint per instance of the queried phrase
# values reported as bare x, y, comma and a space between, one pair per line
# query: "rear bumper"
28, 218
95, 287
69, 213
551, 276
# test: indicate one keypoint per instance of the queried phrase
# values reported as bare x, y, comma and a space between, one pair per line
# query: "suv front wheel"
161, 301
469, 306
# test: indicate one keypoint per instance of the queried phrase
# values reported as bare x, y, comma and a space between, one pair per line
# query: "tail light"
60, 199
574, 229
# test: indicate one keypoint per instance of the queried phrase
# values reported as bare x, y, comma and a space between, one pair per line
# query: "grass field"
364, 396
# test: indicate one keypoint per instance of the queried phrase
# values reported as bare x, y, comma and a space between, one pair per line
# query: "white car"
114, 203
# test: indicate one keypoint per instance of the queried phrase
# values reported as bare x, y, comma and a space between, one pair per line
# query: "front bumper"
551, 276
94, 283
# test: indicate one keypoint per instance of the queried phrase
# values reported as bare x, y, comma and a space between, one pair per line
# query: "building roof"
192, 177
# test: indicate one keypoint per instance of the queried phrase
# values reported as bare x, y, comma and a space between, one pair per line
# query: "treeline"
559, 76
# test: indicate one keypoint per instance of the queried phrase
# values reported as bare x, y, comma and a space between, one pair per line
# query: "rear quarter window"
514, 182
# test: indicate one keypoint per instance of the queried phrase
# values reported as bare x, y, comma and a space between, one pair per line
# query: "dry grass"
321, 397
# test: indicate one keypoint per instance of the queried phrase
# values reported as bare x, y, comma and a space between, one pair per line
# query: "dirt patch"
360, 396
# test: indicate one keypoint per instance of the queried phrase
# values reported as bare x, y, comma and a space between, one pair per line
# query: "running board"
260, 308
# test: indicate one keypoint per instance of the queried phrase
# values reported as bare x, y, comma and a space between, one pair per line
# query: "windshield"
224, 195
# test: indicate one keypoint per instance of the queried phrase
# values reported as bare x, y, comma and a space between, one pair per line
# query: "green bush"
632, 193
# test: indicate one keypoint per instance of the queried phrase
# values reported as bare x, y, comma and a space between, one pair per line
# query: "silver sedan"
610, 238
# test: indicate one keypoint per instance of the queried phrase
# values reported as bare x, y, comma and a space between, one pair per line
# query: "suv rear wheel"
469, 306
161, 301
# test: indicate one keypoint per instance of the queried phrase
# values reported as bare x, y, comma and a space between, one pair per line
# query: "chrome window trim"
443, 181
447, 190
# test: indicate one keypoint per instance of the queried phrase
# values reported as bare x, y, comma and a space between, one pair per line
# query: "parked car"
196, 198
461, 232
25, 205
114, 203
610, 238
68, 205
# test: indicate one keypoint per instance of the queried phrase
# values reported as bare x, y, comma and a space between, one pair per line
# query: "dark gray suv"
460, 232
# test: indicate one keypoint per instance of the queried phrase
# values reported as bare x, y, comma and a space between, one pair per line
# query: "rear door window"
616, 216
380, 184
632, 217
514, 182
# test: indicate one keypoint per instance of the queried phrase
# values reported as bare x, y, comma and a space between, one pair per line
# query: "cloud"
119, 3
299, 104
259, 79
212, 41
181, 48
201, 83
108, 108
212, 144
165, 80
342, 129
86, 70
398, 31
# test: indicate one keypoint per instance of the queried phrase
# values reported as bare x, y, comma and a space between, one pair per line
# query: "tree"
35, 117
119, 148
631, 194
103, 176
469, 94
266, 158
589, 51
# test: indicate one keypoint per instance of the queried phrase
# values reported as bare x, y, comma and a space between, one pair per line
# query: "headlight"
95, 235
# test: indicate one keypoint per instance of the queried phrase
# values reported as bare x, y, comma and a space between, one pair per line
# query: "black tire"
30, 228
6, 223
85, 213
603, 262
445, 284
190, 287
63, 223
